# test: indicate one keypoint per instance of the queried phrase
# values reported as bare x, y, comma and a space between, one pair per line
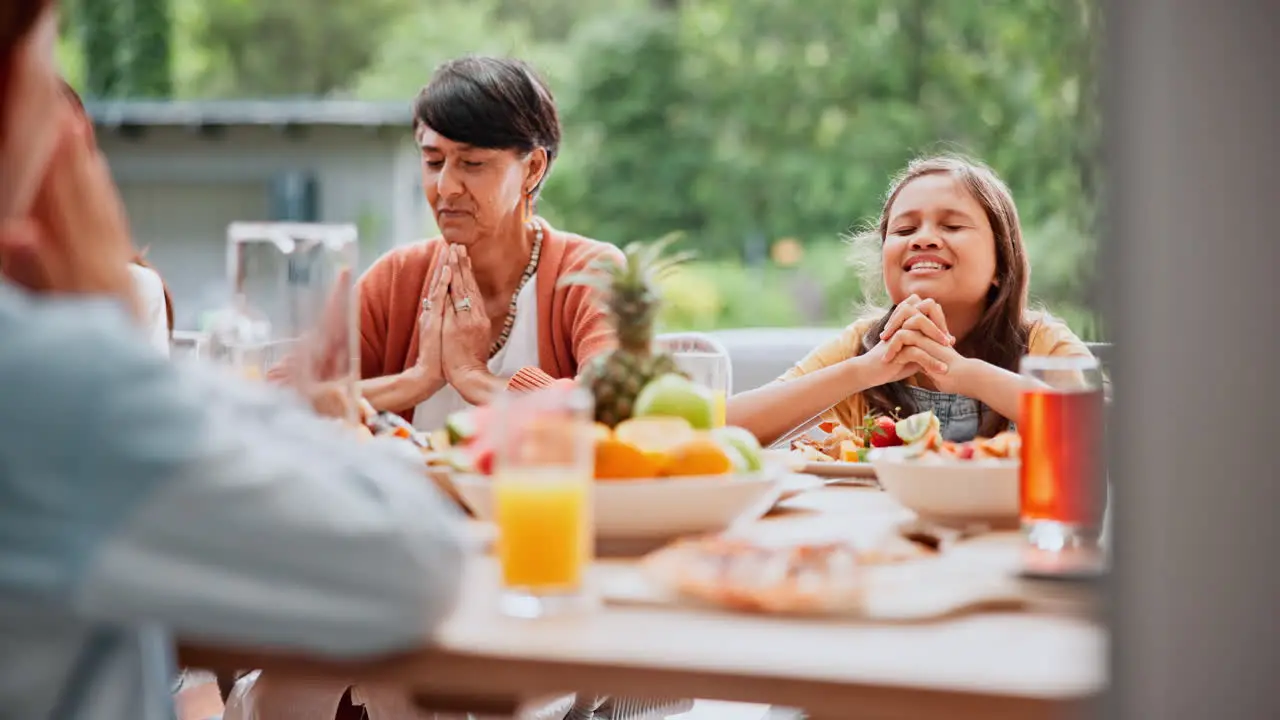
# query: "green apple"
674, 395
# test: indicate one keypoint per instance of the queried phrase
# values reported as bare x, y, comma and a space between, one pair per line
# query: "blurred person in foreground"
142, 501
446, 322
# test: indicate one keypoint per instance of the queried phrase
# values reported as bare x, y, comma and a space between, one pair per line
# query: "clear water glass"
706, 363
293, 317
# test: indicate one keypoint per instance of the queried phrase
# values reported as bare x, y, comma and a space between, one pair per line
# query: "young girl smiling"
956, 273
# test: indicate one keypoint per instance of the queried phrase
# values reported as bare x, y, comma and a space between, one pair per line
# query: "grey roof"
358, 113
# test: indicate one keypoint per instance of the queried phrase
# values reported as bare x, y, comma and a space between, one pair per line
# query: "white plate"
660, 508
958, 494
833, 469
840, 469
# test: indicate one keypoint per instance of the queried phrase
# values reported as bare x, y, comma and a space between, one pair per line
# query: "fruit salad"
877, 431
1003, 446
920, 437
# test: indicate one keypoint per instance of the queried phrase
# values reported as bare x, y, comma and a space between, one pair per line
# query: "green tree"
102, 31
432, 34
634, 151
305, 48
123, 48
146, 54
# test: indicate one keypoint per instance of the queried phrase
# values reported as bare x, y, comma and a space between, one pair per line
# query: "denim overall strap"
958, 415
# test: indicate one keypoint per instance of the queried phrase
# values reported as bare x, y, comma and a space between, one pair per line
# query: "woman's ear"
537, 170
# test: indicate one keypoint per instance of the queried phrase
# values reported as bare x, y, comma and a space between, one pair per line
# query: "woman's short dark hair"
489, 102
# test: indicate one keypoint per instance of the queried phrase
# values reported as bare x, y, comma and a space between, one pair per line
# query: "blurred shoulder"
145, 280
148, 284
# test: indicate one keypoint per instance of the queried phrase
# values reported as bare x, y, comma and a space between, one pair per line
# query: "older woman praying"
447, 321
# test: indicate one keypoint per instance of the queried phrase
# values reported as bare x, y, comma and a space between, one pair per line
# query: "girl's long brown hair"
139, 259
1001, 335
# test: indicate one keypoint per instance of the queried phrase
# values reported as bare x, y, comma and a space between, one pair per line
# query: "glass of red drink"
1063, 470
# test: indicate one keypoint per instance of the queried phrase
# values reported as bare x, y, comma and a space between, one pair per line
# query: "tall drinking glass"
1063, 470
706, 364
542, 480
293, 314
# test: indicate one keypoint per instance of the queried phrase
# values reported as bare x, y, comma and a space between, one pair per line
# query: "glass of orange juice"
542, 480
706, 364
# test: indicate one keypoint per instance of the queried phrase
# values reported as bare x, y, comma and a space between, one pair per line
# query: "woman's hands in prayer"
429, 368
466, 335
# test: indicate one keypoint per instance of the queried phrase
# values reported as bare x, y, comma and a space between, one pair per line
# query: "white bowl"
660, 508
954, 493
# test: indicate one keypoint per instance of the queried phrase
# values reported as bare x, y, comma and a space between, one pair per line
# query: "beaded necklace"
529, 271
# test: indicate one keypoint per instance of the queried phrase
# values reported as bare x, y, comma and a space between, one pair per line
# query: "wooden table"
988, 665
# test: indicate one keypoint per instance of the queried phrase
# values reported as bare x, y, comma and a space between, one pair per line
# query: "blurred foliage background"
752, 125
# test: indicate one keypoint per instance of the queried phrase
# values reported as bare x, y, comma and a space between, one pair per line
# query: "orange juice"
718, 420
544, 528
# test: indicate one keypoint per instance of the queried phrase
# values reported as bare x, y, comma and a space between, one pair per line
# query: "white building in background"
188, 168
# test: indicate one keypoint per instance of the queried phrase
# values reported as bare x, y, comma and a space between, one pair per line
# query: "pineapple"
631, 298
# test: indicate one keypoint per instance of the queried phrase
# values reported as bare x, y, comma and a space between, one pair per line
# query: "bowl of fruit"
661, 473
966, 484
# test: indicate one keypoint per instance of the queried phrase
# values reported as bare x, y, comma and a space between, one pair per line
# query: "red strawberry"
884, 432
483, 460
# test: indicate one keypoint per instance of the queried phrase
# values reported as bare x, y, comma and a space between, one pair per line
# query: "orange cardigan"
571, 327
